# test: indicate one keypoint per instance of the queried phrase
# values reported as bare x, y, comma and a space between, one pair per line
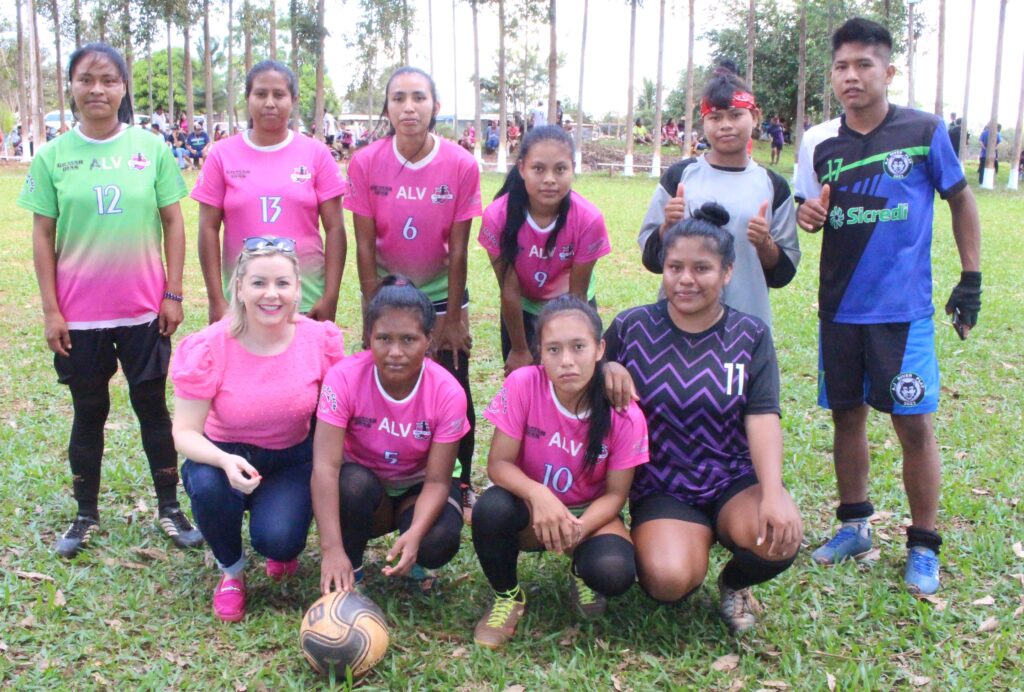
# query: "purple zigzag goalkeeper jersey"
695, 390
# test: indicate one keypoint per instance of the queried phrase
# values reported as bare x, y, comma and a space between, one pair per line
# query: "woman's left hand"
453, 335
323, 310
779, 523
171, 315
408, 546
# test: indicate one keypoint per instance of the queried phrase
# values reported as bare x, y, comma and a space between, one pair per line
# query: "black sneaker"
180, 530
77, 535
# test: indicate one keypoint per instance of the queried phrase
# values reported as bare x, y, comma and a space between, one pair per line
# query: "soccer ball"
343, 630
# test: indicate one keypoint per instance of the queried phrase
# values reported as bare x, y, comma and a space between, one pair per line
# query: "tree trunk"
656, 158
455, 73
293, 16
22, 82
318, 102
988, 180
579, 101
430, 29
627, 167
552, 65
208, 69
476, 84
273, 29
962, 149
190, 101
55, 10
689, 84
149, 73
247, 34
801, 89
170, 73
37, 127
502, 90
76, 20
232, 116
1014, 161
911, 101
405, 32
129, 54
826, 92
940, 69
751, 36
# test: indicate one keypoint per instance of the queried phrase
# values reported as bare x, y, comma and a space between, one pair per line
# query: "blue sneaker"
922, 575
853, 540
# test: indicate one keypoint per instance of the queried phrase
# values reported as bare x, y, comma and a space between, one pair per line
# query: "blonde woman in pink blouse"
245, 391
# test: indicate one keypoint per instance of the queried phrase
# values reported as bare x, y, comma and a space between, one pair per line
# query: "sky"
607, 54
606, 69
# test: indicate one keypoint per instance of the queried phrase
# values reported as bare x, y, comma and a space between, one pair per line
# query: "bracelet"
173, 296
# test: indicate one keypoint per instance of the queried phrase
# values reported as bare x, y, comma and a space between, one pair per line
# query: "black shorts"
441, 306
665, 506
144, 354
454, 495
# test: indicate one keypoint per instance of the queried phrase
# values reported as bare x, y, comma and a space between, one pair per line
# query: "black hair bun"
712, 213
396, 280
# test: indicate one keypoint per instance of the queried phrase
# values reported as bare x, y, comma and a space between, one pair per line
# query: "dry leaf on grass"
873, 555
1018, 549
1019, 577
830, 680
919, 680
726, 663
514, 688
990, 625
1020, 611
28, 621
616, 684
3, 646
114, 624
570, 636
981, 491
939, 603
459, 652
59, 600
986, 601
775, 684
33, 576
151, 553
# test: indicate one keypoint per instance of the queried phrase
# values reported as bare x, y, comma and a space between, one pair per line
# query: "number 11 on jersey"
740, 370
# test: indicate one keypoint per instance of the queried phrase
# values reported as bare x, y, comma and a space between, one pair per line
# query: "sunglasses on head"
263, 242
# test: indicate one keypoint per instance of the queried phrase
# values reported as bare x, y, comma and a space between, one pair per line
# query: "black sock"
747, 569
924, 538
853, 511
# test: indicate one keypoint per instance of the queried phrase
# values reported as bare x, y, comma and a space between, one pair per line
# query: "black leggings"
466, 444
90, 399
605, 563
361, 493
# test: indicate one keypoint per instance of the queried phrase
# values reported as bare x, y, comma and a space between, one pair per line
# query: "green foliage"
140, 79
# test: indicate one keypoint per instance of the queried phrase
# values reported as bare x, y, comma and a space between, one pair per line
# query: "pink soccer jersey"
391, 437
276, 191
543, 275
554, 441
265, 401
414, 206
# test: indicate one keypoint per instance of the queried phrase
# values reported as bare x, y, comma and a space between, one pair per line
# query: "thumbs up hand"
675, 210
758, 231
813, 212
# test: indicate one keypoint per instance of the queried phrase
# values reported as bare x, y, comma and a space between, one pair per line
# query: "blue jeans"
280, 508
180, 153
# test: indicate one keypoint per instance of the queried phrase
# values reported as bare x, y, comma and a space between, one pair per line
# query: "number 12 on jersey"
740, 371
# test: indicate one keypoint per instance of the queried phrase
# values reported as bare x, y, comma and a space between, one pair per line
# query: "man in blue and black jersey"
869, 179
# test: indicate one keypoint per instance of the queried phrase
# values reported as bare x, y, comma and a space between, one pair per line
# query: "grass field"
134, 613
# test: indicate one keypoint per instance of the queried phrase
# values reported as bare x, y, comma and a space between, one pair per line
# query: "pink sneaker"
278, 570
229, 599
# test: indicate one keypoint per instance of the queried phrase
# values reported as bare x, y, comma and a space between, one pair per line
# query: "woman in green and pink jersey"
268, 181
104, 199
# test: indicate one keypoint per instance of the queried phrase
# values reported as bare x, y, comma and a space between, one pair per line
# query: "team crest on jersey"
907, 389
328, 398
897, 164
566, 253
421, 431
30, 185
301, 174
604, 453
441, 195
139, 162
836, 217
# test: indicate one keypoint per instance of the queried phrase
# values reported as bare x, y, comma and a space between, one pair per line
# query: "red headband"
740, 99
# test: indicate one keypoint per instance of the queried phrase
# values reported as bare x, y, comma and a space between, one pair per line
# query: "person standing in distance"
869, 179
104, 199
413, 196
267, 181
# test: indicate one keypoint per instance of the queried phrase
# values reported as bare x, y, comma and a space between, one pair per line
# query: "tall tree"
293, 28
552, 65
232, 116
248, 19
405, 32
656, 159
318, 104
455, 73
801, 93
476, 82
273, 29
911, 101
751, 35
502, 91
579, 101
127, 36
988, 180
962, 149
1013, 180
170, 68
190, 101
688, 123
627, 168
36, 125
22, 81
940, 68
76, 22
826, 91
208, 68
55, 10
430, 32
